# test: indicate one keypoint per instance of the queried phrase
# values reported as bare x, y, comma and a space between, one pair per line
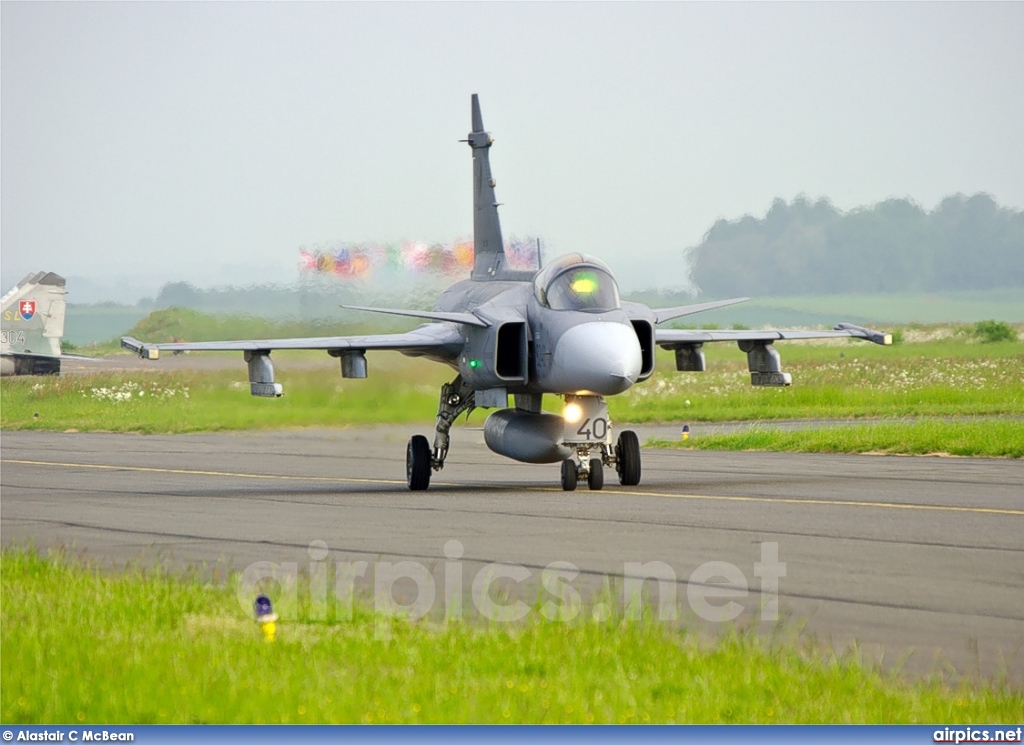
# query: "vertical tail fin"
489, 261
33, 323
35, 307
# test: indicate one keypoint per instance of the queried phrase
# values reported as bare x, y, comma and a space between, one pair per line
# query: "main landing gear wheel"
627, 458
417, 463
595, 479
569, 475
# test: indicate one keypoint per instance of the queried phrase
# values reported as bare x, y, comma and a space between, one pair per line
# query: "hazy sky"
151, 142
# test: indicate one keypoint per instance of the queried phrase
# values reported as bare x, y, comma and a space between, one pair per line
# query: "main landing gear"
456, 397
627, 458
417, 463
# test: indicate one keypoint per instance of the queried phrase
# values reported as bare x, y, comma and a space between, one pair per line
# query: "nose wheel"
573, 473
570, 475
588, 432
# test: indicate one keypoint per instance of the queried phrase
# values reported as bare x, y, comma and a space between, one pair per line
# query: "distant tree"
178, 295
894, 246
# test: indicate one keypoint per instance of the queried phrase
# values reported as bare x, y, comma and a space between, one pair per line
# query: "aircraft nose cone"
600, 358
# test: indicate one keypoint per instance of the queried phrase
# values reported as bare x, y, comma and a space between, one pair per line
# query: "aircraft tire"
569, 475
417, 463
595, 480
627, 458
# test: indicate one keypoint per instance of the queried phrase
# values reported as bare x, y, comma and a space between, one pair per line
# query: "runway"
920, 560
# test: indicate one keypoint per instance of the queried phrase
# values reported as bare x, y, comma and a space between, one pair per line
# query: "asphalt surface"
919, 560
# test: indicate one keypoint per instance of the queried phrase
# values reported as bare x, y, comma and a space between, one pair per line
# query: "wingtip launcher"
135, 346
877, 337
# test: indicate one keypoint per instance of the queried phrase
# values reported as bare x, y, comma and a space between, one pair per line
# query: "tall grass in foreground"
80, 645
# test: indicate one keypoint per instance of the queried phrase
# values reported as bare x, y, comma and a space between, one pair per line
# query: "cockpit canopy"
577, 282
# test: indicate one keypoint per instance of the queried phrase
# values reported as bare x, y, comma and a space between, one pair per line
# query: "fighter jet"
33, 324
560, 330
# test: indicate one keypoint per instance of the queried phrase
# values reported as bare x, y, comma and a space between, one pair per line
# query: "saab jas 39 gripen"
561, 330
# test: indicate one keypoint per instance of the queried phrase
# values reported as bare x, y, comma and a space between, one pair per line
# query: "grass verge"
941, 379
989, 438
951, 377
84, 646
218, 400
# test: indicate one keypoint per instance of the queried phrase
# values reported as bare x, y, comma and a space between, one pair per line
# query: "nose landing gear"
570, 475
588, 432
595, 478
625, 458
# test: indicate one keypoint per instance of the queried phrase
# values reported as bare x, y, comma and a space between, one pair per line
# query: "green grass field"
400, 390
85, 646
988, 438
951, 377
939, 378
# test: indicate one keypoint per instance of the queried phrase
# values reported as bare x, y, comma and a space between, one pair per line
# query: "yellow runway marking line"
660, 495
835, 502
188, 472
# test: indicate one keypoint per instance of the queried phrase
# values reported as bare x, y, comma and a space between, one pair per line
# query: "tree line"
805, 247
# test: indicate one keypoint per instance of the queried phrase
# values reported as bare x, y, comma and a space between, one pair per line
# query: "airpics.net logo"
322, 589
975, 734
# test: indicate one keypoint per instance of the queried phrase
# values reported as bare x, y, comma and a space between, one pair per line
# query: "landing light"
573, 412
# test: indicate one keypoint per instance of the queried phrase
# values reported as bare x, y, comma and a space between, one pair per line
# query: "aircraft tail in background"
32, 327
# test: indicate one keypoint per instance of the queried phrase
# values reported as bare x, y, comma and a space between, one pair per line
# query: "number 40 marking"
597, 429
